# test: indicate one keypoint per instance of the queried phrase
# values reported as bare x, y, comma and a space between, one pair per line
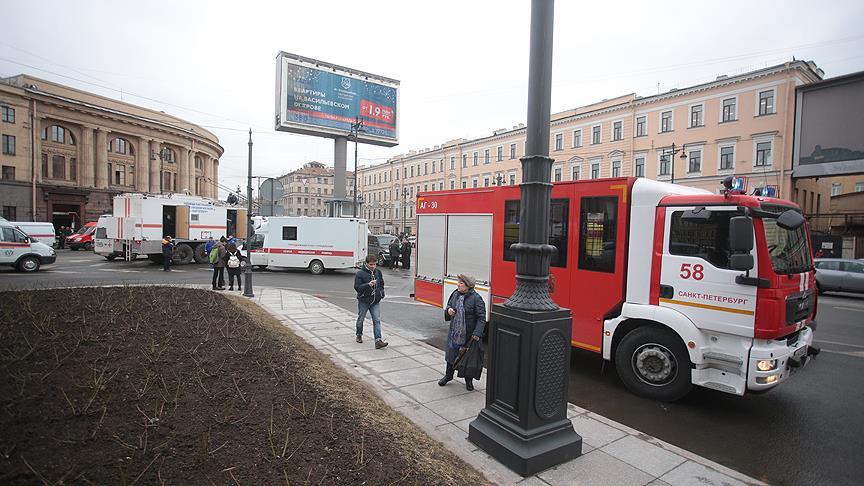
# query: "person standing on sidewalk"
167, 253
395, 253
218, 265
466, 312
369, 285
234, 262
406, 254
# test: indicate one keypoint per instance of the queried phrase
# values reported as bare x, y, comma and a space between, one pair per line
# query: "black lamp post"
499, 180
247, 271
404, 196
524, 424
670, 157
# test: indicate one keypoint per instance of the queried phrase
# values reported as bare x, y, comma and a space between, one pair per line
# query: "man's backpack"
214, 255
233, 261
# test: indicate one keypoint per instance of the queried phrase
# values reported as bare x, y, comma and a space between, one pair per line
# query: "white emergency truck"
140, 221
23, 252
318, 244
38, 230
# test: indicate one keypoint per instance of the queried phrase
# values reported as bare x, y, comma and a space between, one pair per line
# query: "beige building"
308, 189
67, 152
735, 125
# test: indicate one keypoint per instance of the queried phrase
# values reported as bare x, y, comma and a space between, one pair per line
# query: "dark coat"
366, 293
220, 262
475, 312
394, 250
406, 249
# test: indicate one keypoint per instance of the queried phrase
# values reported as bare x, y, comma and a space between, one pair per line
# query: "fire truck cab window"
598, 230
707, 240
558, 230
289, 232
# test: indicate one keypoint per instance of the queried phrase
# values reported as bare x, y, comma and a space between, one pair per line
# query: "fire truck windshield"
789, 248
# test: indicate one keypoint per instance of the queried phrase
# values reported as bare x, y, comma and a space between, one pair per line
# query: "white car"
21, 251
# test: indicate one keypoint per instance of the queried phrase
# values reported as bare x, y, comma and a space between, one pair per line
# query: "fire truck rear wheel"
316, 267
110, 257
201, 255
653, 362
183, 254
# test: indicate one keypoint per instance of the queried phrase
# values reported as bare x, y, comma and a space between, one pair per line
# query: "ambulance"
316, 244
678, 286
39, 231
140, 221
23, 252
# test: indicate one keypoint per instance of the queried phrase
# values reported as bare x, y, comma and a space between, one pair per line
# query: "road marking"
854, 354
838, 344
856, 309
118, 270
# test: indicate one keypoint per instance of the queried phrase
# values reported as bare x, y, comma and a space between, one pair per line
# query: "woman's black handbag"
471, 364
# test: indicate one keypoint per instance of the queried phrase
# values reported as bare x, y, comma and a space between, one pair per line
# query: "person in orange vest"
167, 253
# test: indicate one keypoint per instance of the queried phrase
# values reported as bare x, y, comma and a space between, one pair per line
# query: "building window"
729, 110
766, 102
618, 130
119, 175
616, 168
512, 150
557, 174
559, 141
452, 164
763, 154
695, 116
58, 167
499, 154
666, 121
452, 184
425, 168
8, 173
836, 189
8, 114
695, 161
464, 184
412, 171
595, 135
486, 181
577, 138
73, 169
476, 159
574, 175
8, 144
475, 182
464, 161
595, 170
44, 166
639, 167
512, 178
486, 159
58, 134
665, 162
10, 213
859, 186
641, 126
727, 158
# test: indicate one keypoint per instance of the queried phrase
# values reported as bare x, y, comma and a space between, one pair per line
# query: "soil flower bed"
163, 385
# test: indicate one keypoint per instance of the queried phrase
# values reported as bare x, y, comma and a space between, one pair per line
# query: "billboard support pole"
340, 156
524, 424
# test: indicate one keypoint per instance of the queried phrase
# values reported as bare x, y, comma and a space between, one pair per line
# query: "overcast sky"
462, 64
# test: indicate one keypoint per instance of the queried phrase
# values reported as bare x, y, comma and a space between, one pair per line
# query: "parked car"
380, 245
839, 274
83, 238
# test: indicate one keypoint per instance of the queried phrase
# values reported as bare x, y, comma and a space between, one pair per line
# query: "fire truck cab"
677, 285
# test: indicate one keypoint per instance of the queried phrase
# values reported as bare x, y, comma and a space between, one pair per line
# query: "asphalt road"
806, 431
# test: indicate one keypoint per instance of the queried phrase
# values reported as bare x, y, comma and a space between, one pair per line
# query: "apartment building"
67, 152
307, 189
735, 125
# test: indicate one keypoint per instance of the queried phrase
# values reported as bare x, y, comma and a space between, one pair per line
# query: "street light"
670, 157
404, 196
499, 180
356, 127
247, 272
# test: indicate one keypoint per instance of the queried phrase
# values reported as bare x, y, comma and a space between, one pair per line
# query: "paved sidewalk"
405, 375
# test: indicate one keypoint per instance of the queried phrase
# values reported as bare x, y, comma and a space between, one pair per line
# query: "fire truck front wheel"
201, 255
653, 362
316, 267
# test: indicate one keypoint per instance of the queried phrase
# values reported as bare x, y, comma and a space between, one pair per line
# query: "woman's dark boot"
448, 375
469, 384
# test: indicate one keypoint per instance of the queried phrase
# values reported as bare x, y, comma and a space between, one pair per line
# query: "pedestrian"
61, 235
234, 261
218, 261
466, 312
209, 245
395, 253
167, 253
406, 254
369, 285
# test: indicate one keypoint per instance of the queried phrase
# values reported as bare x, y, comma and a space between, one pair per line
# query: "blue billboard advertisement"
321, 99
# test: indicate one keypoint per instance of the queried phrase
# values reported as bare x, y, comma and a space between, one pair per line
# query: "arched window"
198, 164
169, 155
58, 134
121, 146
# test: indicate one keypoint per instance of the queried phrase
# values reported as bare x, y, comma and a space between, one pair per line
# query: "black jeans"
166, 262
218, 277
232, 274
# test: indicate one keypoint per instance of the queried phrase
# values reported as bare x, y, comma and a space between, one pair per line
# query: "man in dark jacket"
395, 253
466, 312
369, 285
167, 253
406, 254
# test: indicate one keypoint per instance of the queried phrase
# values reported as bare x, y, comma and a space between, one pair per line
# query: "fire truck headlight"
766, 364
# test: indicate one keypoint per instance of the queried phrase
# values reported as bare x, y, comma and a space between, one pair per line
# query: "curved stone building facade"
67, 152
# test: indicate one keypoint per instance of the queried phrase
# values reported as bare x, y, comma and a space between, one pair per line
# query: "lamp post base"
524, 424
247, 282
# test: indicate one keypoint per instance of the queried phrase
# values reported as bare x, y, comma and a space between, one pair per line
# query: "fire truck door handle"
666, 291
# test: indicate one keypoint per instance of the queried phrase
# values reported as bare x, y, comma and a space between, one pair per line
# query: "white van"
40, 231
21, 251
318, 244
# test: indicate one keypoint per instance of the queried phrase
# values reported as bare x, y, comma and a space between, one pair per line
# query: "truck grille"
799, 306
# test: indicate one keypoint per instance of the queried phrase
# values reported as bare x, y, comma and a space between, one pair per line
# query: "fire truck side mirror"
741, 262
790, 220
740, 234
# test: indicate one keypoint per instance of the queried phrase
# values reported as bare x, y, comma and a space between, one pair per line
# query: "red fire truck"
677, 285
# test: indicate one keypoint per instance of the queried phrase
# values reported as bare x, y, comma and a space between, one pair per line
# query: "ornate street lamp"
670, 157
524, 424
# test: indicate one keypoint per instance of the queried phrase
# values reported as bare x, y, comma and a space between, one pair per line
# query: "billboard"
829, 119
324, 100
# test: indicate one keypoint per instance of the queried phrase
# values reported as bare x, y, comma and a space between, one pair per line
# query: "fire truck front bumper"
773, 361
